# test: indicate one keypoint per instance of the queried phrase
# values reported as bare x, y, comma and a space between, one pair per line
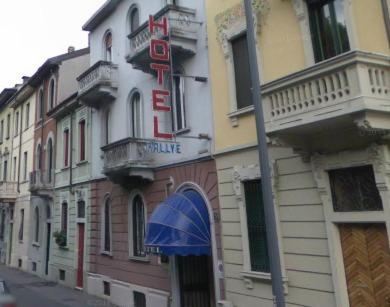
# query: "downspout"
20, 145
71, 153
386, 17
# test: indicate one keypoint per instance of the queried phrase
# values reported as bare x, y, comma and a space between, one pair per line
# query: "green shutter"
256, 226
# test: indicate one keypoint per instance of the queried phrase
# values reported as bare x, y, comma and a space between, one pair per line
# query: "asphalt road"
31, 291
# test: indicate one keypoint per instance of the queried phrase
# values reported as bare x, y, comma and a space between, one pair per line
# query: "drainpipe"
20, 145
386, 16
71, 153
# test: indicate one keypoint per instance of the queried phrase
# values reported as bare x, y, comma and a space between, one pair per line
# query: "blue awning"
180, 226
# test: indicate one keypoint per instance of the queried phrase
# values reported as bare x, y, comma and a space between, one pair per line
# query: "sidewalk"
32, 291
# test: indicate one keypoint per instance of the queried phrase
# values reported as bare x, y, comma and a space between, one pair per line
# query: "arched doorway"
180, 228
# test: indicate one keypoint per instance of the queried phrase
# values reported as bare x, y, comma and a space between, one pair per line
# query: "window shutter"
256, 227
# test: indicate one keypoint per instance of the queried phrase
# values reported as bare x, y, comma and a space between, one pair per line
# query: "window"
64, 220
107, 225
39, 157
1, 131
36, 229
2, 226
52, 94
135, 122
50, 165
241, 71
15, 169
354, 189
328, 28
82, 140
108, 47
25, 166
27, 119
258, 249
5, 170
139, 299
8, 125
106, 131
179, 120
138, 224
61, 274
16, 124
66, 147
81, 209
134, 19
41, 105
21, 225
106, 288
34, 266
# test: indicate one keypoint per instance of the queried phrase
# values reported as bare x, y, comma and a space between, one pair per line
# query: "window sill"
251, 276
64, 168
64, 248
82, 162
239, 113
106, 254
20, 241
256, 275
182, 131
36, 244
139, 259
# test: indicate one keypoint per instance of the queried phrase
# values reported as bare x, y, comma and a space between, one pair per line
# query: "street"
31, 291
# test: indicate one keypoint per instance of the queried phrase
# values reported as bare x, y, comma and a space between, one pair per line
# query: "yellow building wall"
370, 26
281, 52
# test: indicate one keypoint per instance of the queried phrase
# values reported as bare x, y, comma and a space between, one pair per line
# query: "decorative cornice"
235, 17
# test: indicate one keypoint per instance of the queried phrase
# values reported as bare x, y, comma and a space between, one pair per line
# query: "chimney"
25, 79
71, 49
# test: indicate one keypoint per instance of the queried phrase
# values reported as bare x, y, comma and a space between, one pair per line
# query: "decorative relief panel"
234, 18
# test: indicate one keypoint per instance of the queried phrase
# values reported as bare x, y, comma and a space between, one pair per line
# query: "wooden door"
367, 264
80, 257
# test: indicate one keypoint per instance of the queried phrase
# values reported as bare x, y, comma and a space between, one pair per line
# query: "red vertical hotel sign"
160, 51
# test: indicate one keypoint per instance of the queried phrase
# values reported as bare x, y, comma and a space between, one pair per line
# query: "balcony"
98, 85
183, 30
42, 182
319, 108
127, 160
8, 191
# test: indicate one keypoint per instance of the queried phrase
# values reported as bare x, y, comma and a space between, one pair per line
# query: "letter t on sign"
163, 25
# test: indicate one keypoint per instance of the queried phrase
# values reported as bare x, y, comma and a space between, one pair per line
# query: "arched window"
52, 94
106, 221
50, 159
39, 157
36, 230
134, 19
41, 104
135, 110
108, 47
137, 223
48, 213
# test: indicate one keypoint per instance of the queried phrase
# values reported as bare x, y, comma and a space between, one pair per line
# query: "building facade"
150, 154
325, 68
54, 81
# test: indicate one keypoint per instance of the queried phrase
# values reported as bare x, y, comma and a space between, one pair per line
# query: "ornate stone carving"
235, 18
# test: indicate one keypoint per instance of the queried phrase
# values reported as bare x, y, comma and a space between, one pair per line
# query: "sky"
31, 31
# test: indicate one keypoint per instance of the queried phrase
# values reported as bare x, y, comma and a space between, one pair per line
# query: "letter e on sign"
158, 97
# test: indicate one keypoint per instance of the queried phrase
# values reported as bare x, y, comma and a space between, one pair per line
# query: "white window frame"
51, 104
35, 224
182, 86
240, 175
131, 115
132, 196
82, 116
105, 52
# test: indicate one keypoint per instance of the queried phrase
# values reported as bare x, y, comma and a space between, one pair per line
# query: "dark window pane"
354, 189
256, 226
138, 227
81, 209
64, 220
107, 221
139, 299
242, 72
328, 29
134, 20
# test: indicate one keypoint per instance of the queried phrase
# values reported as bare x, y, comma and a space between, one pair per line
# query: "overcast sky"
32, 31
